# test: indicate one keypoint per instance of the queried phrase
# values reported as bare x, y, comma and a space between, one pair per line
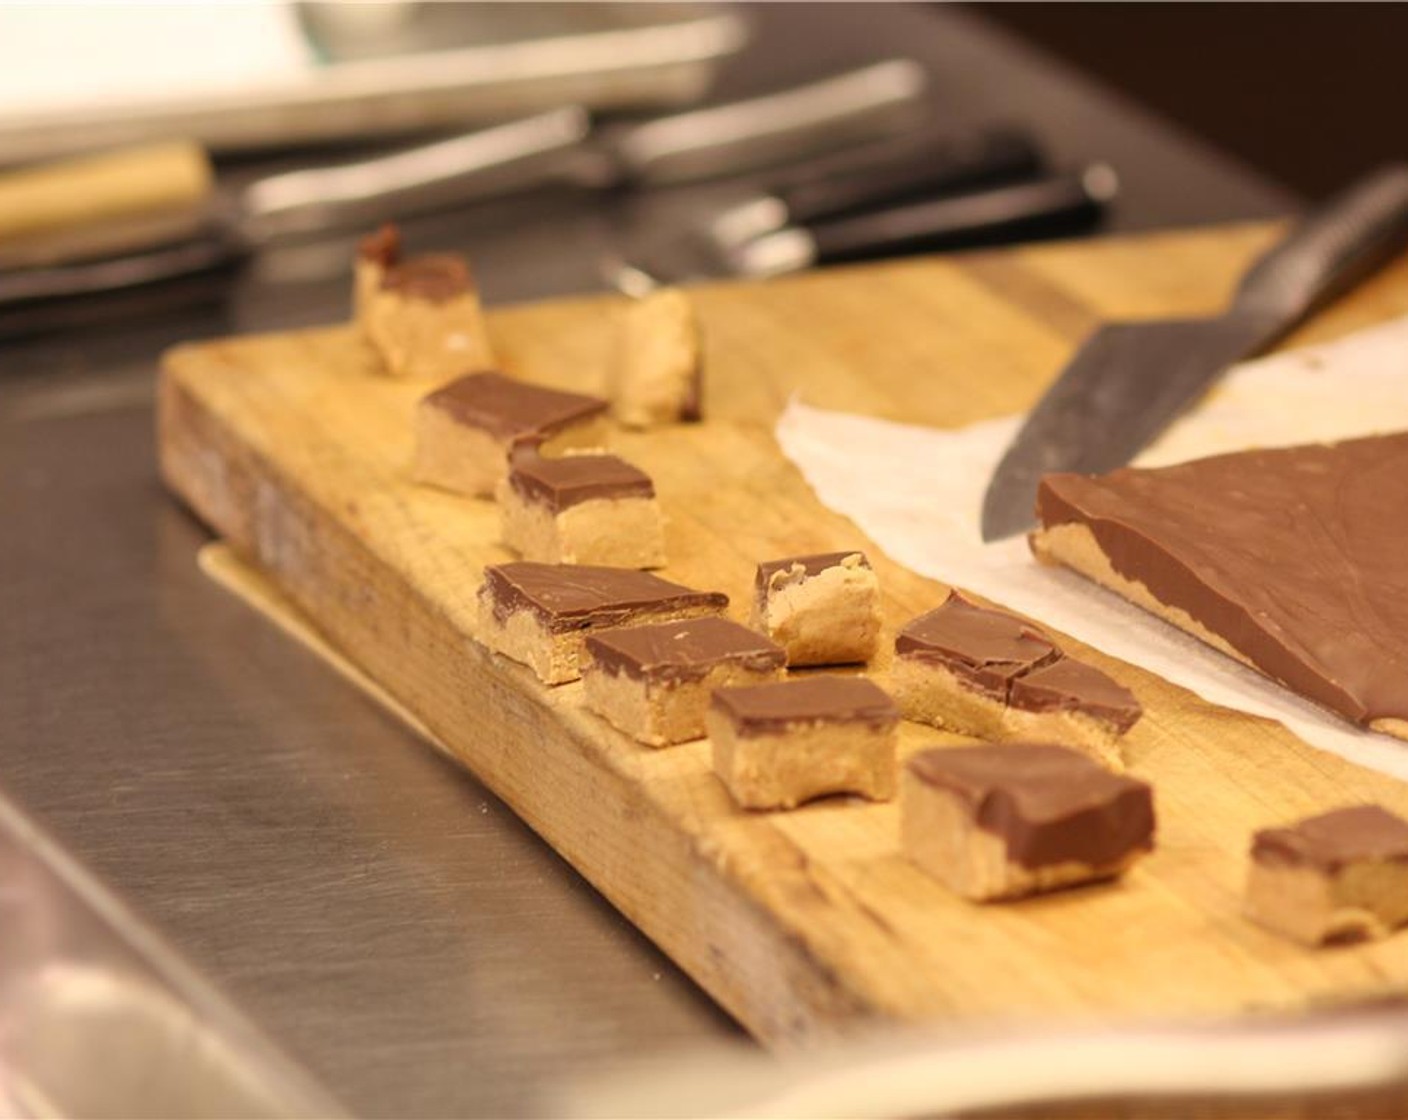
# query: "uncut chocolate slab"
568, 597
1290, 559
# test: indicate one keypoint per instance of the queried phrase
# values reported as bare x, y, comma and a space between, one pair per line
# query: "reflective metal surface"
387, 923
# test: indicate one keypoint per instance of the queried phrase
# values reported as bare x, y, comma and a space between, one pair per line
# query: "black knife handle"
1046, 208
930, 165
1334, 248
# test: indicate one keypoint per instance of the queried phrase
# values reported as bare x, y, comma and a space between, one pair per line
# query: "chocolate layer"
382, 247
1294, 557
768, 708
571, 480
1068, 685
984, 648
801, 567
512, 410
581, 596
682, 651
1334, 840
436, 277
1047, 804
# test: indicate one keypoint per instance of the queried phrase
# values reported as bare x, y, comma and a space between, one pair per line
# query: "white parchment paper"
917, 493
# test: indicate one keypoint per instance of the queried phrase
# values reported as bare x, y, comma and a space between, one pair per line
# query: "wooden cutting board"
803, 923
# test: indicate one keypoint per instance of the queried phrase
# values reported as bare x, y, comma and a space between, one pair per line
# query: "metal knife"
557, 146
1129, 381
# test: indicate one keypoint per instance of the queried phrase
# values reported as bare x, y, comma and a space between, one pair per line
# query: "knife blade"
1129, 381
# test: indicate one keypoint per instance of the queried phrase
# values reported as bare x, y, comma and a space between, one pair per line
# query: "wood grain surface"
802, 923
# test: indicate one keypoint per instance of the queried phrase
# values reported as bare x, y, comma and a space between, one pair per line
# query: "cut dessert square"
581, 509
421, 314
778, 745
1290, 560
467, 430
653, 682
822, 609
657, 374
995, 822
1336, 878
989, 674
539, 614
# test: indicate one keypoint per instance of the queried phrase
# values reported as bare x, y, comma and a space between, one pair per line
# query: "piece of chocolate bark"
539, 614
467, 431
1339, 877
421, 314
656, 376
581, 509
822, 609
654, 682
1003, 821
778, 745
989, 674
1290, 560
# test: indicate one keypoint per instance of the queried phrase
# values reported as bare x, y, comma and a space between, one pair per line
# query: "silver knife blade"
1124, 386
1129, 381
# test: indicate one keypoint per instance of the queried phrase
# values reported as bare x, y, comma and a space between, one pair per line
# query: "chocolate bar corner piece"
1336, 878
467, 431
1071, 702
778, 745
1004, 821
581, 509
1287, 559
539, 614
654, 682
421, 314
657, 373
823, 609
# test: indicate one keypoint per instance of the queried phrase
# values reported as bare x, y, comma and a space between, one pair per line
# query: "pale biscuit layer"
660, 712
1364, 901
831, 618
614, 532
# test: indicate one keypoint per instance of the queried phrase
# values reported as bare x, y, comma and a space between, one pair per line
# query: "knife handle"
1334, 248
935, 165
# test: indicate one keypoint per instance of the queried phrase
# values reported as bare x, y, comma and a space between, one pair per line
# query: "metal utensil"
1129, 381
558, 146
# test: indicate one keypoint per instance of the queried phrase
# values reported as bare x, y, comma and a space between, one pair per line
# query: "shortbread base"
655, 374
786, 768
938, 835
426, 339
615, 532
659, 712
1364, 901
831, 618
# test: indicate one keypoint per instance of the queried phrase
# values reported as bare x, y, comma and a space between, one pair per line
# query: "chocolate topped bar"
437, 277
1291, 559
766, 708
561, 483
382, 248
802, 567
1049, 805
681, 651
1336, 839
509, 409
1067, 685
569, 597
987, 648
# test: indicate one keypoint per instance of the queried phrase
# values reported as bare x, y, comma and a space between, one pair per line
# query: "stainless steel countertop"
383, 918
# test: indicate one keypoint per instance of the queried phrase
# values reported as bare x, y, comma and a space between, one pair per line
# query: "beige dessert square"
778, 745
822, 609
988, 674
421, 314
654, 682
1336, 878
581, 509
656, 376
467, 431
540, 614
997, 822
